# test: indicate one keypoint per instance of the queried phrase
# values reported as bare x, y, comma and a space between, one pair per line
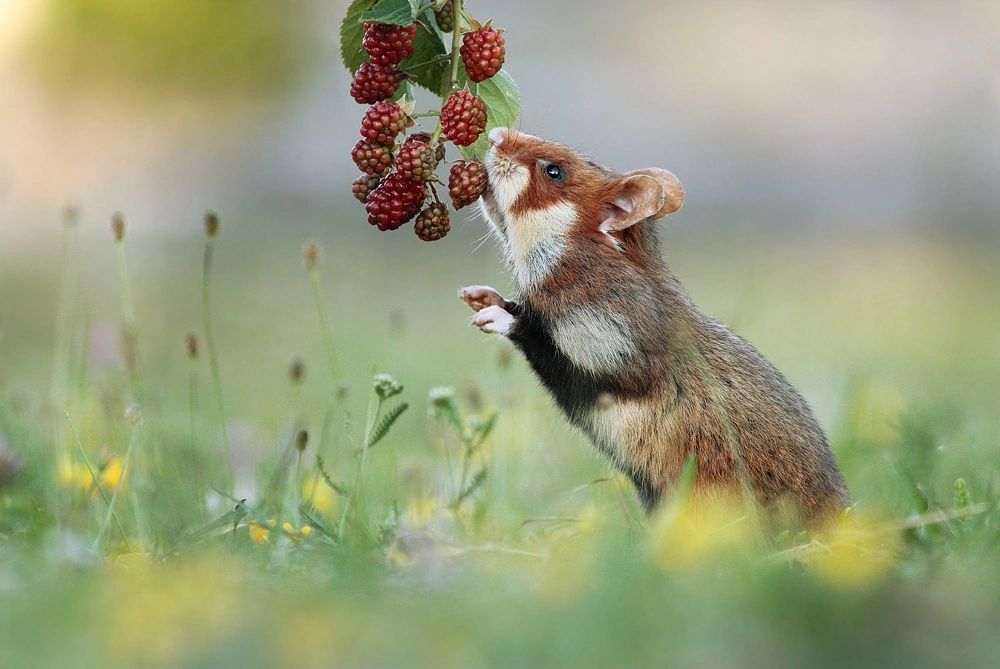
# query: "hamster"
625, 353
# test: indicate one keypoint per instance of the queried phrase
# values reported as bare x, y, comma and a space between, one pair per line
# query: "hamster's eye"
554, 172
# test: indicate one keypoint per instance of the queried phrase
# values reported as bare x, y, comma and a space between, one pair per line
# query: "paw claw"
494, 320
480, 297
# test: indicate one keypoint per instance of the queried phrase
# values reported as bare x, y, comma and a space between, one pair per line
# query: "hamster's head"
544, 197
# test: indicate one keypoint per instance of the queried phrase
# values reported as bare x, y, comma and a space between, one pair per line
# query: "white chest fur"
597, 341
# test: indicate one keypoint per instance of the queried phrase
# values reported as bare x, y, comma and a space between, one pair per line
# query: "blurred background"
840, 161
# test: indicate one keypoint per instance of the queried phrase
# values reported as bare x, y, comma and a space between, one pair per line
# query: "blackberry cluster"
398, 174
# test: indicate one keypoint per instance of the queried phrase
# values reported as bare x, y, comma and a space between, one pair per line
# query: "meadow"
339, 471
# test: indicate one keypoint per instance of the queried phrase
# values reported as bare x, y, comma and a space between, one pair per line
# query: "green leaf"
503, 106
338, 488
312, 518
405, 90
351, 33
487, 428
428, 44
386, 423
474, 485
399, 12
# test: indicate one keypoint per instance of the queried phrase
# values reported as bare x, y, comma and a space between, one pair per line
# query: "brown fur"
691, 384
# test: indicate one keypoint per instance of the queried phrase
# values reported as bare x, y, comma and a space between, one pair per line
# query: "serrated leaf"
338, 488
386, 423
311, 516
487, 427
503, 106
351, 33
474, 485
398, 12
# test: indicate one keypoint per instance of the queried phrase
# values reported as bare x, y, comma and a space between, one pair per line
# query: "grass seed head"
118, 226
312, 254
191, 346
211, 224
297, 371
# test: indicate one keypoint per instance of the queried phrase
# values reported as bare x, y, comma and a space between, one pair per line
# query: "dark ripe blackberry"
482, 52
389, 44
466, 182
394, 201
432, 223
446, 17
374, 82
372, 159
463, 118
364, 185
416, 160
426, 137
383, 121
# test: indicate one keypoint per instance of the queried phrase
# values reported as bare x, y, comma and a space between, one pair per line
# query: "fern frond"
311, 516
338, 488
486, 429
476, 482
384, 425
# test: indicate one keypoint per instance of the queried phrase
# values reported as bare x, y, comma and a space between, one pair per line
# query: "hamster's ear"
673, 191
640, 195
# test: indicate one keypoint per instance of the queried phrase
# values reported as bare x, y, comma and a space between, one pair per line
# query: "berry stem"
426, 114
456, 45
436, 59
213, 354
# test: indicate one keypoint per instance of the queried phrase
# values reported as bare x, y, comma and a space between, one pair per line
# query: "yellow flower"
316, 492
685, 535
260, 533
298, 534
111, 475
853, 552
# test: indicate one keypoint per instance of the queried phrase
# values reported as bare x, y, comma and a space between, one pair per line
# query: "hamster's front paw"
494, 320
480, 297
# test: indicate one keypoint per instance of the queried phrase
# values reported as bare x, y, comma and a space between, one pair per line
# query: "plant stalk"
213, 356
126, 462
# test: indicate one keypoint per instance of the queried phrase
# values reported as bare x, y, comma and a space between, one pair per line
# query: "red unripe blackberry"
432, 223
389, 44
394, 201
364, 185
383, 121
371, 158
463, 118
416, 160
482, 52
374, 82
466, 182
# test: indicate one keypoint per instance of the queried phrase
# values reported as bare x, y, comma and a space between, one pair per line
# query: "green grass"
477, 529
